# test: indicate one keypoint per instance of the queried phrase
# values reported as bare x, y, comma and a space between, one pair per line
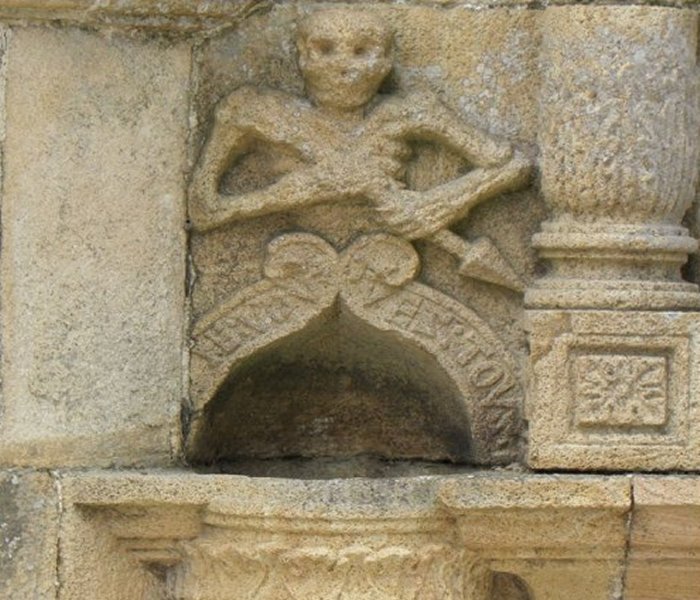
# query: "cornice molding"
204, 15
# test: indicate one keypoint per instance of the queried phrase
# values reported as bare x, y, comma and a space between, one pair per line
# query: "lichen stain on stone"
11, 526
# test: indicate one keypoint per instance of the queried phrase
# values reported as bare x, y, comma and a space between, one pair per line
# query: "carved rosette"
619, 122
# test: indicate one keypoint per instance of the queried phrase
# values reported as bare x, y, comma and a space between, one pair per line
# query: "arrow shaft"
452, 243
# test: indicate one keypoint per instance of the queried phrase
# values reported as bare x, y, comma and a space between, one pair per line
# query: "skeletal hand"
357, 175
412, 215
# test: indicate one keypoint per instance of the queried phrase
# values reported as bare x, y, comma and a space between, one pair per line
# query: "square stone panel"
617, 390
613, 390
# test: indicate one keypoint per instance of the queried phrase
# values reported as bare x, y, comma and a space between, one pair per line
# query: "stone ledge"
197, 16
547, 530
220, 533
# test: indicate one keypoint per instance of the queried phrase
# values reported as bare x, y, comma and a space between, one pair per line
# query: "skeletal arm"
497, 170
233, 129
416, 215
424, 117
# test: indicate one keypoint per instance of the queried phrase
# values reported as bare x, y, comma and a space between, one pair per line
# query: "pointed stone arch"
372, 280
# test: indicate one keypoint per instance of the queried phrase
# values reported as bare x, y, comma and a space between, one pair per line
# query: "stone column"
613, 369
619, 144
243, 553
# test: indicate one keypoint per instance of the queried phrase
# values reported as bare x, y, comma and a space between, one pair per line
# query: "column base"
613, 266
553, 293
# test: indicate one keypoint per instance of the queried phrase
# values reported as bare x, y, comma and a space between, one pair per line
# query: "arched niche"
338, 389
340, 355
508, 586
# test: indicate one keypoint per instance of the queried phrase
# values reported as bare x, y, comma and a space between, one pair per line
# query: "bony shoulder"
419, 106
423, 98
411, 100
248, 100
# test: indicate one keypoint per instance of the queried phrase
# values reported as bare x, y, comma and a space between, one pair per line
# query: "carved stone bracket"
572, 532
481, 537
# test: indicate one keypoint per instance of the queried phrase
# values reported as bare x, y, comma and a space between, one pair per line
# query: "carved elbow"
230, 107
500, 154
200, 207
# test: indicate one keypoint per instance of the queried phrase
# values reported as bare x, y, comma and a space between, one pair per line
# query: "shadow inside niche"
339, 399
507, 586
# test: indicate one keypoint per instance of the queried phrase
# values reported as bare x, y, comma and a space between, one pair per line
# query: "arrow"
479, 260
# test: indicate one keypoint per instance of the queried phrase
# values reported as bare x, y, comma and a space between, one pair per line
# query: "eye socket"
360, 50
324, 47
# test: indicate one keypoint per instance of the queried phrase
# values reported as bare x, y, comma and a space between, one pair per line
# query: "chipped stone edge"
188, 16
194, 16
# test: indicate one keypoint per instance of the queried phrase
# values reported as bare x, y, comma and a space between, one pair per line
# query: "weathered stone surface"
345, 162
614, 390
93, 249
194, 15
362, 184
213, 536
563, 537
29, 530
359, 538
188, 16
619, 108
664, 558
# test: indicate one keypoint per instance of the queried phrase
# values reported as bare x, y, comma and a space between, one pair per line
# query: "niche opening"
340, 398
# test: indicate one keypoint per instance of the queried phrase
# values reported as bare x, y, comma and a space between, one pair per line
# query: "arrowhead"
484, 261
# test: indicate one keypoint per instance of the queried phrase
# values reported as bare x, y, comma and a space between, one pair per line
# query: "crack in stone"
620, 593
58, 487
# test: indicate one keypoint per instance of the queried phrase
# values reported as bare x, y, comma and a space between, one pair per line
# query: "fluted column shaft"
619, 144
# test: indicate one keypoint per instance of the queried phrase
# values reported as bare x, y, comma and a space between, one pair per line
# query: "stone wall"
359, 300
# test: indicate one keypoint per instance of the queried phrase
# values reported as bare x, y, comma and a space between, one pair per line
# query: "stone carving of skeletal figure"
347, 142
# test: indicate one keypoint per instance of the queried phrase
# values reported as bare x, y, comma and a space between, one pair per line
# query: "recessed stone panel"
93, 248
619, 390
613, 390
